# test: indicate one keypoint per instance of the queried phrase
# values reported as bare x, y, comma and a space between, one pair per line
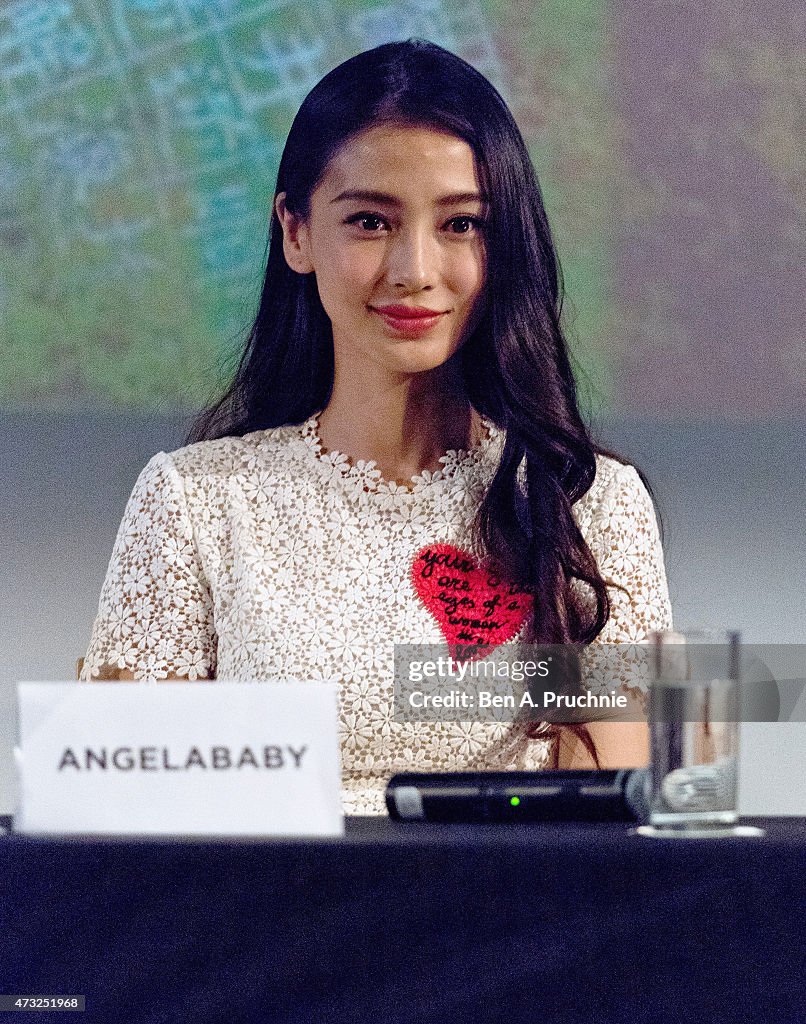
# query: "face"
395, 239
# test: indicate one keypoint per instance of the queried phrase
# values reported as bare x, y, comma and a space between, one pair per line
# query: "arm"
618, 745
624, 536
155, 615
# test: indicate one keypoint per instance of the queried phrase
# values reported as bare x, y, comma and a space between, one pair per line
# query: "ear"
296, 242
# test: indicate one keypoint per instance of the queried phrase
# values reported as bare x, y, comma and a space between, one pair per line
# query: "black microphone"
554, 795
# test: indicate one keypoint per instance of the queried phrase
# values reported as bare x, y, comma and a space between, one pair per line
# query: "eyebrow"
454, 199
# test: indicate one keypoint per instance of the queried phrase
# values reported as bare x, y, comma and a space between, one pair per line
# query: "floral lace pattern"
262, 557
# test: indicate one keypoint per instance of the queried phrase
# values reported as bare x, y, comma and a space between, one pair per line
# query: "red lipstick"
411, 321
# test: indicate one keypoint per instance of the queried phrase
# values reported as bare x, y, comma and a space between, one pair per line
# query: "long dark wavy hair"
515, 364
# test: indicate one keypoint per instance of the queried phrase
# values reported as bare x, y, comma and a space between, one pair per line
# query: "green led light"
514, 800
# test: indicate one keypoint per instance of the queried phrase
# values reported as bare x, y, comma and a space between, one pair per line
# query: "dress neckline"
364, 473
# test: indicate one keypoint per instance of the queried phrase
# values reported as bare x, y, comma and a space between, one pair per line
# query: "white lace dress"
261, 557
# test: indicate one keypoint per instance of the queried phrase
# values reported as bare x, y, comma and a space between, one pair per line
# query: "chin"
419, 355
414, 363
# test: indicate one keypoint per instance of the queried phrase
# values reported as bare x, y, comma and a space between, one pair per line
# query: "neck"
403, 425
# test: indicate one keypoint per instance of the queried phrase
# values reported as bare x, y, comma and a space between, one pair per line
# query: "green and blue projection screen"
139, 143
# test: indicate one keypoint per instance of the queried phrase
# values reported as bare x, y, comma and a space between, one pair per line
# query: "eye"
466, 225
370, 222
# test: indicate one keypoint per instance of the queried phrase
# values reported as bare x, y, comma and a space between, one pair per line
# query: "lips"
410, 321
408, 312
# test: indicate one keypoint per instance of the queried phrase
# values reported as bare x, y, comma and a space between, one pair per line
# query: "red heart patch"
473, 606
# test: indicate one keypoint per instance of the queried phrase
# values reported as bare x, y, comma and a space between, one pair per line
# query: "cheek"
468, 275
349, 273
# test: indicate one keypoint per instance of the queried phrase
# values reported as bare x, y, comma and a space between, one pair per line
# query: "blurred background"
139, 144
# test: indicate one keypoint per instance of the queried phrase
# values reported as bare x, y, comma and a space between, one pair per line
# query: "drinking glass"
694, 707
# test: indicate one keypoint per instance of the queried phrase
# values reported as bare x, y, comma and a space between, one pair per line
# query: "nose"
412, 261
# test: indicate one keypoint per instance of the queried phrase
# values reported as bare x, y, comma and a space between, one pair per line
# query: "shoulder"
199, 473
617, 502
613, 479
226, 457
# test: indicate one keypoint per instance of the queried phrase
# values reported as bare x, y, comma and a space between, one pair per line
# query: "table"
412, 923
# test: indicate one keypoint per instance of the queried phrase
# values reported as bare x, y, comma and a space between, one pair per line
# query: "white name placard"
181, 758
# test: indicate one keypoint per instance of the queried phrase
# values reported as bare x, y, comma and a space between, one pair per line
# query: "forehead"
405, 159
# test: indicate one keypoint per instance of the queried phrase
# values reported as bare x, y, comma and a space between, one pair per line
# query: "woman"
405, 392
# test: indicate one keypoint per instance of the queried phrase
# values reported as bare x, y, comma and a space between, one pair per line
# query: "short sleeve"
155, 614
626, 541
